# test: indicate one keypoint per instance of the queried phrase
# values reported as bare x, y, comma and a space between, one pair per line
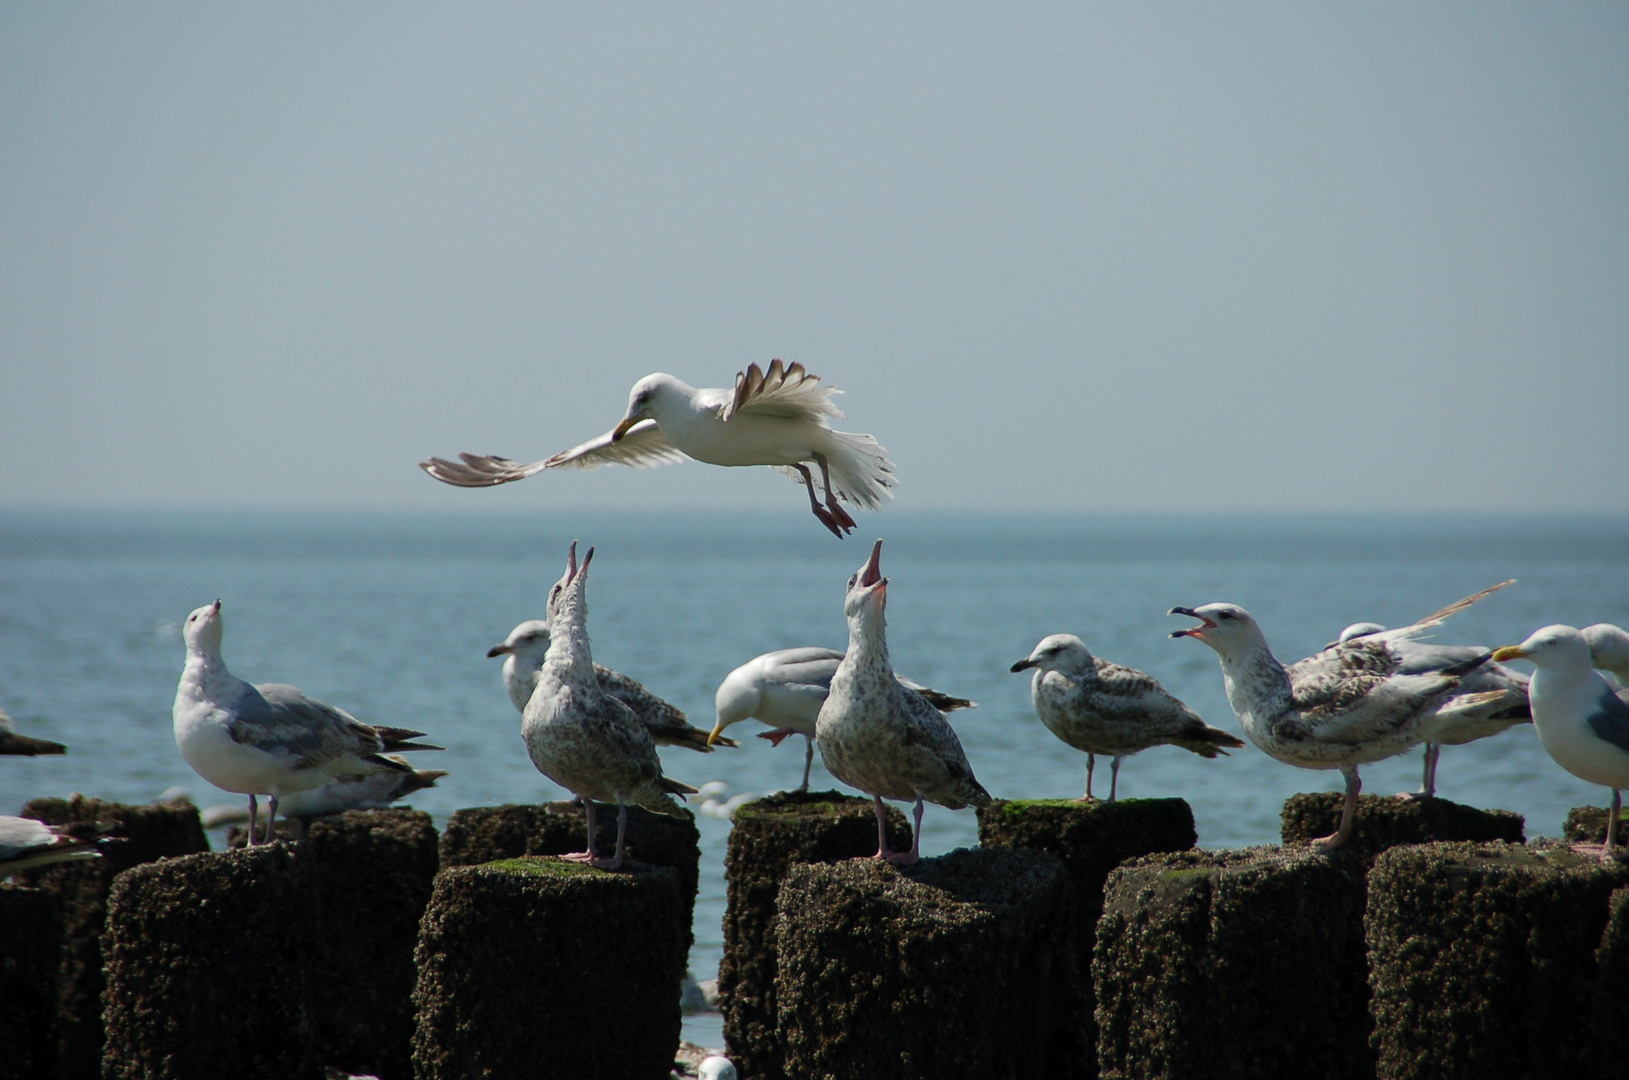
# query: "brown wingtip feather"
692, 739
24, 746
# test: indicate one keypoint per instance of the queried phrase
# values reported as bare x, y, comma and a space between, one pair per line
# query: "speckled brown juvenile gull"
271, 739
1103, 708
523, 651
1335, 710
584, 739
785, 690
780, 417
884, 738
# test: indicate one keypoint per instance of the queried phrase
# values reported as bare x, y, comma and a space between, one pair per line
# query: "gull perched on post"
584, 739
884, 738
780, 418
1581, 720
1338, 708
271, 739
1103, 708
785, 690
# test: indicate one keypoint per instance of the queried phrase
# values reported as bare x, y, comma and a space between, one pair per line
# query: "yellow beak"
1509, 652
622, 428
718, 729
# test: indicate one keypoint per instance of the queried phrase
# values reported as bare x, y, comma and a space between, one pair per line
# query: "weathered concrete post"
768, 836
542, 967
1485, 957
1385, 821
941, 971
153, 831
209, 968
1091, 839
30, 964
1235, 964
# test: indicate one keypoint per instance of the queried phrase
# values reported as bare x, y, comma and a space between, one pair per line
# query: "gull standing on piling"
1581, 720
1609, 650
785, 690
1103, 708
884, 738
270, 739
1337, 709
780, 418
523, 651
584, 739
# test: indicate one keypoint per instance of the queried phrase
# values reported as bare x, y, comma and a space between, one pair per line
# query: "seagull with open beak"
882, 737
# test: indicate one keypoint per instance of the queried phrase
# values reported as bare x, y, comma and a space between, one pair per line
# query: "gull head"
1227, 628
528, 641
1057, 652
1359, 629
647, 398
202, 630
1608, 648
716, 1068
867, 589
738, 697
572, 583
1555, 646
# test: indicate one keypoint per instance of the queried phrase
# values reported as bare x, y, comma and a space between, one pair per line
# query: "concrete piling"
30, 965
1385, 821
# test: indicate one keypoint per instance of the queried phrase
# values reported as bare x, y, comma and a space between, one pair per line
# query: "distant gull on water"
271, 739
523, 651
884, 738
1337, 709
1103, 708
785, 690
15, 745
1581, 719
780, 418
584, 739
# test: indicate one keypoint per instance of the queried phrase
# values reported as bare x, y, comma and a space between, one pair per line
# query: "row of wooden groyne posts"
1078, 941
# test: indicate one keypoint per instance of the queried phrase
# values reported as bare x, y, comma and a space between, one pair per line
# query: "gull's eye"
1224, 614
852, 578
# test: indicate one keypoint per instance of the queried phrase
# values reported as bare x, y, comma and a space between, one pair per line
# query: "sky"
1079, 258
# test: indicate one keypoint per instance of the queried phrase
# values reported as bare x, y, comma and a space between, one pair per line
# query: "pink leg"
615, 860
254, 808
1348, 812
1091, 763
814, 503
808, 761
777, 735
908, 858
271, 818
1114, 776
832, 504
1428, 778
589, 855
882, 831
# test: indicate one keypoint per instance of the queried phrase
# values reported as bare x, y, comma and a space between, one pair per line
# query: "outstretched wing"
787, 391
644, 446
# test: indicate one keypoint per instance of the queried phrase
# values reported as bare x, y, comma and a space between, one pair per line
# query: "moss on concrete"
373, 871
483, 834
30, 963
538, 970
209, 968
946, 970
1485, 959
1385, 821
153, 831
1091, 839
1235, 964
767, 838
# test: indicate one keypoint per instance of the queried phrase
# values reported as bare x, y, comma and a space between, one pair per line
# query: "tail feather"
860, 470
945, 702
1207, 741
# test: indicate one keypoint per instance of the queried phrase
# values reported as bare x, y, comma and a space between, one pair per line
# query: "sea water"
390, 617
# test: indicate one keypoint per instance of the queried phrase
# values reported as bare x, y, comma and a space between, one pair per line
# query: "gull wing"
785, 391
643, 447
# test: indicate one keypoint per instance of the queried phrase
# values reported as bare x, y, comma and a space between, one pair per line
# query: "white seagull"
1582, 721
584, 739
785, 690
1609, 649
1103, 708
884, 738
1337, 709
780, 418
523, 651
26, 843
13, 744
271, 739
352, 791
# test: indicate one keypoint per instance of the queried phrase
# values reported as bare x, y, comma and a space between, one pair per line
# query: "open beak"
1510, 652
499, 650
1192, 631
622, 428
1023, 665
871, 572
713, 736
571, 562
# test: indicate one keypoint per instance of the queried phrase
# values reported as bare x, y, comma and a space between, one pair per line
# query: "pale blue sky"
1173, 257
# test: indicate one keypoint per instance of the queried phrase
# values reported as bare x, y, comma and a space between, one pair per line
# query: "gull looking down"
884, 738
1609, 650
271, 739
780, 418
584, 739
785, 690
1581, 720
523, 652
1338, 708
13, 744
1103, 708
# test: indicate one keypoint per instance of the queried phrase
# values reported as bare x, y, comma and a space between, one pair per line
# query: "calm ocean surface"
390, 617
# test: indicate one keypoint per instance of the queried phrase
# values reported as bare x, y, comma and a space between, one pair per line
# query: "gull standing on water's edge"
884, 738
780, 418
1103, 708
270, 739
584, 739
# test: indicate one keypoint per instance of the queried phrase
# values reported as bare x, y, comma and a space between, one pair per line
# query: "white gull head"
1063, 653
523, 651
202, 630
